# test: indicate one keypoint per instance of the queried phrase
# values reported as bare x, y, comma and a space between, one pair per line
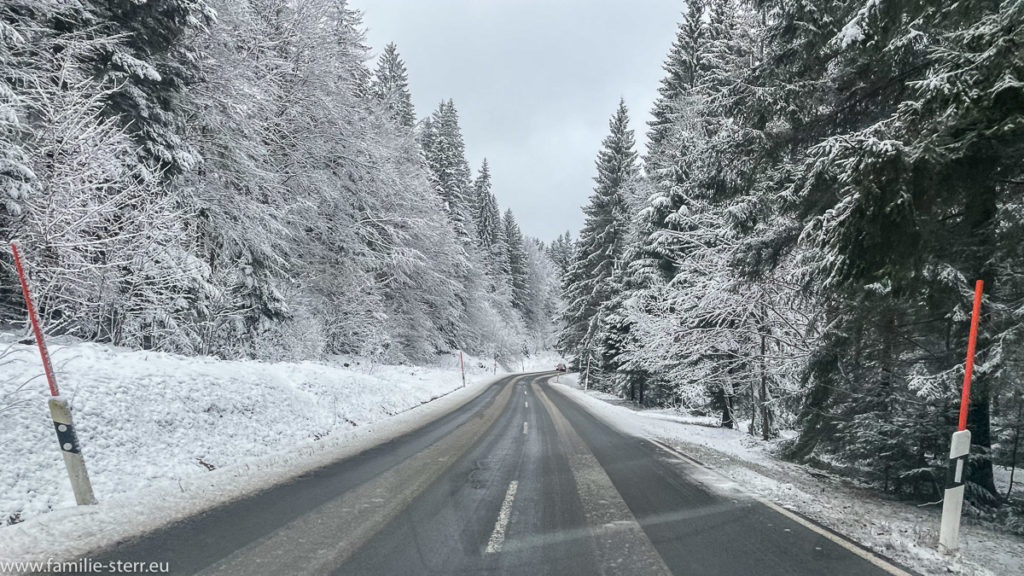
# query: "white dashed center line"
498, 535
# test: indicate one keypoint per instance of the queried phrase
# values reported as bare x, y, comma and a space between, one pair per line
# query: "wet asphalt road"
519, 480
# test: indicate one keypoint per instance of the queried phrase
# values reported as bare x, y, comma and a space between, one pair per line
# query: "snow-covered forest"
240, 179
823, 183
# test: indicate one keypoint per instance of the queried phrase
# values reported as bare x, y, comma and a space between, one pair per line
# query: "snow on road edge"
140, 497
903, 532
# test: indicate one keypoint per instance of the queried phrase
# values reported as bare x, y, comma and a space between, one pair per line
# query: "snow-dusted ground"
166, 436
541, 362
903, 532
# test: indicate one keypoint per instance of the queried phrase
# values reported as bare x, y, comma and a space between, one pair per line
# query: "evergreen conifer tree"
445, 152
390, 85
587, 283
152, 67
517, 264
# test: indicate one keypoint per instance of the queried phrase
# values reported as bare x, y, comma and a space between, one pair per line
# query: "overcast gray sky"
535, 83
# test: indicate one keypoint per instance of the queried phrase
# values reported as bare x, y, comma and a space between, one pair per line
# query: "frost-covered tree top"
488, 216
445, 151
391, 85
517, 261
680, 73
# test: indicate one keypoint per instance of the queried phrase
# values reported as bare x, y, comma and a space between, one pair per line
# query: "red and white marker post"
60, 412
959, 448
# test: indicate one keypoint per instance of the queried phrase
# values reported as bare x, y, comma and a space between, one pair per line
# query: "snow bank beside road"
541, 362
904, 532
159, 421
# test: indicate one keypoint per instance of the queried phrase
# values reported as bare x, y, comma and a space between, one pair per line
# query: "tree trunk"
1016, 440
752, 429
727, 411
766, 416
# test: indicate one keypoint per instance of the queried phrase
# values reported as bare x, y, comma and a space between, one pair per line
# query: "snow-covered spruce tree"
684, 312
486, 323
587, 283
896, 221
810, 84
517, 265
752, 315
491, 232
680, 68
543, 295
446, 155
390, 85
418, 247
628, 369
963, 129
633, 317
150, 68
560, 252
493, 253
711, 48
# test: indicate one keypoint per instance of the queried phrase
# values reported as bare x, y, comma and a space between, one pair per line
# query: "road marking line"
840, 540
525, 424
526, 404
498, 535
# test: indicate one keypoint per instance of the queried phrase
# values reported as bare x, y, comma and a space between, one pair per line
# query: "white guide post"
73, 461
953, 502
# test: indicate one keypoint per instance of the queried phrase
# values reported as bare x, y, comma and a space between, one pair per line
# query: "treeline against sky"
238, 179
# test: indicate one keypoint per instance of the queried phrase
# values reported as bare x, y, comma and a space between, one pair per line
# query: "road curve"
519, 480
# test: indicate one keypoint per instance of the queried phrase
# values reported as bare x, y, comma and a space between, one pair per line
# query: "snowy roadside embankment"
901, 531
540, 362
165, 436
